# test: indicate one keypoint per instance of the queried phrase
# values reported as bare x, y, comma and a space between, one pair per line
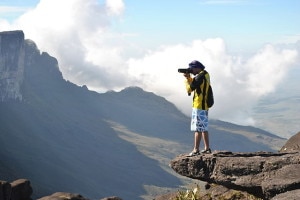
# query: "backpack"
210, 97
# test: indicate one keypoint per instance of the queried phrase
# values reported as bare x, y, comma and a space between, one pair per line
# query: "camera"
185, 71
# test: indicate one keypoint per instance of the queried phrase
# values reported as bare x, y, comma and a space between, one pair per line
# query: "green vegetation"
196, 194
189, 194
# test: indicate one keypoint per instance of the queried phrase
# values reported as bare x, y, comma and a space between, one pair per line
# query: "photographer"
198, 85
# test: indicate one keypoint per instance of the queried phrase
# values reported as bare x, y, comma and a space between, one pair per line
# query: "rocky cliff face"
53, 130
59, 132
262, 174
22, 64
11, 65
19, 189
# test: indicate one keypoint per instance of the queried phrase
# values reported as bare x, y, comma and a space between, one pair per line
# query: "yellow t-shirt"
199, 86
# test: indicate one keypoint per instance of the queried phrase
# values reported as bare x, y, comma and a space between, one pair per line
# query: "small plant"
189, 194
195, 194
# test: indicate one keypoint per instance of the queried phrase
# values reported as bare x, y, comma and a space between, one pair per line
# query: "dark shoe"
194, 153
206, 151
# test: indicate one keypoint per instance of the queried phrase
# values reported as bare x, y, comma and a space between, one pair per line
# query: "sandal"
206, 151
194, 153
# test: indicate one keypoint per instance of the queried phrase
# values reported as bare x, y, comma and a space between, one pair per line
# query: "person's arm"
197, 81
188, 82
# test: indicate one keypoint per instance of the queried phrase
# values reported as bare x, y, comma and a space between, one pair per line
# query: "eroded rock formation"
62, 196
11, 64
19, 189
263, 174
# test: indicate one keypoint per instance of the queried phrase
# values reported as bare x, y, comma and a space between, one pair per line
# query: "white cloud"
238, 82
267, 68
79, 34
11, 9
116, 7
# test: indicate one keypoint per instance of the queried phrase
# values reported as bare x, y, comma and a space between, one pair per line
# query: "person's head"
196, 66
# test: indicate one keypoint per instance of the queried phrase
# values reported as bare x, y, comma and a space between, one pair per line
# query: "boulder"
263, 174
112, 198
290, 195
5, 190
220, 192
18, 190
168, 196
21, 190
63, 196
292, 145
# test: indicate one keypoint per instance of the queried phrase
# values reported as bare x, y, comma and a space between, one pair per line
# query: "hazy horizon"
248, 47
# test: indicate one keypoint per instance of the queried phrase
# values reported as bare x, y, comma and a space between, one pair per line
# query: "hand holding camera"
186, 72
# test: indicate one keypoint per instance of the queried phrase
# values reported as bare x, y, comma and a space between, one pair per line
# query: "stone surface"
211, 192
169, 196
5, 190
17, 190
11, 65
262, 174
21, 189
217, 192
292, 145
112, 198
290, 195
63, 196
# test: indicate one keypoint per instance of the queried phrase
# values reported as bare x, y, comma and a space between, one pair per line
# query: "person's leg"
197, 140
205, 140
197, 135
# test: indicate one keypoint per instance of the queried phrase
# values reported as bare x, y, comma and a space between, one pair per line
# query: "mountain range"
64, 137
278, 112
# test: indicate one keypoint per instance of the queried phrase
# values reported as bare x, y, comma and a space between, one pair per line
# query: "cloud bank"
80, 34
238, 83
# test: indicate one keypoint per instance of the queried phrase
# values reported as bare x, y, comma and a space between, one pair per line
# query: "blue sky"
244, 24
248, 46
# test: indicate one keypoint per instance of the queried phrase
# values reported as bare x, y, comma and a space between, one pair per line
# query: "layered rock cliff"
263, 174
12, 55
17, 190
20, 62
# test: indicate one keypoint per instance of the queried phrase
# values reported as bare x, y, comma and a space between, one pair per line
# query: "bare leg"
197, 141
205, 140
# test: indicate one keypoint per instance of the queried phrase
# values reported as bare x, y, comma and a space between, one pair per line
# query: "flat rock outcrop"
263, 174
21, 190
17, 190
63, 196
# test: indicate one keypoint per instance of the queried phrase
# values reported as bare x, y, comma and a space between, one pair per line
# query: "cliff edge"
262, 174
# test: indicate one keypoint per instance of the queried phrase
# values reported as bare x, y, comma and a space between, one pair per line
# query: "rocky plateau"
265, 175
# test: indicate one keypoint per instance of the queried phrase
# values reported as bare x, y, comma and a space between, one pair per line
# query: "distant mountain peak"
12, 56
22, 65
132, 88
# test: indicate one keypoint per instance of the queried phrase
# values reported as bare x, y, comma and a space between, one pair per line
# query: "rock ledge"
263, 174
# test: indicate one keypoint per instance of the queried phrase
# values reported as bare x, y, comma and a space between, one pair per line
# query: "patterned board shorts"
199, 120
